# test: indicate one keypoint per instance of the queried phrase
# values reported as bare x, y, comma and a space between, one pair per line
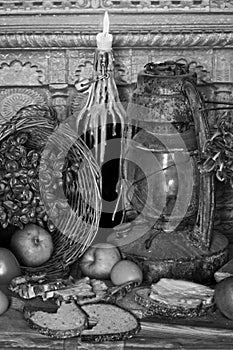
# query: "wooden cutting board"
213, 326
213, 321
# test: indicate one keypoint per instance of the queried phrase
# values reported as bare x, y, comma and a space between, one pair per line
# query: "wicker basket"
50, 178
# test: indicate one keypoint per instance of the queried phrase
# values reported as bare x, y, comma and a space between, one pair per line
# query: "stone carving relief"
77, 102
84, 70
60, 104
223, 66
122, 66
191, 39
12, 99
221, 4
166, 5
80, 68
57, 67
59, 96
19, 73
80, 64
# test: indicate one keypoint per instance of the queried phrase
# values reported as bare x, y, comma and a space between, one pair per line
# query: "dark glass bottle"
101, 122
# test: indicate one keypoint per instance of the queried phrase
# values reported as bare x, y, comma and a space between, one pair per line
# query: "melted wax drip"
103, 106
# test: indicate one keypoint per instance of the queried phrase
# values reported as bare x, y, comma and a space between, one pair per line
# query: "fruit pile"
31, 246
104, 261
9, 269
107, 278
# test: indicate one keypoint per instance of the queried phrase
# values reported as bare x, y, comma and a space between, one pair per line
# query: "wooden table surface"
15, 334
214, 332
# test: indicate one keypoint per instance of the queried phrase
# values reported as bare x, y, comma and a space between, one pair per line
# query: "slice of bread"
176, 298
108, 322
118, 292
128, 303
68, 321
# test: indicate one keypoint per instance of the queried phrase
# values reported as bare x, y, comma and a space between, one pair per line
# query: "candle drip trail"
103, 107
103, 111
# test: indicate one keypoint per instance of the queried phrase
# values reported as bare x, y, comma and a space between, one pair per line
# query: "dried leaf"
208, 166
220, 175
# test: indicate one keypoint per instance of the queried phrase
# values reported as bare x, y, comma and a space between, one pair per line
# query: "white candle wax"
104, 39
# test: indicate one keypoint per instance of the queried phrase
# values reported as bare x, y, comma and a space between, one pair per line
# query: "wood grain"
182, 330
75, 344
212, 332
15, 334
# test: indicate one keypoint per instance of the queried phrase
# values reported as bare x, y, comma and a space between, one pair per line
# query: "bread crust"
56, 333
112, 336
108, 308
128, 303
118, 292
171, 311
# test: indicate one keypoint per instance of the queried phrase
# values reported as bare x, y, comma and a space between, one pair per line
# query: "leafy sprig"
219, 149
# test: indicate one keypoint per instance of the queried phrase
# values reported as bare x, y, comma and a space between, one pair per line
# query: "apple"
9, 266
98, 260
126, 271
4, 302
32, 245
223, 296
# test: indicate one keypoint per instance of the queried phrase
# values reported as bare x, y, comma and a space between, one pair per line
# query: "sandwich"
176, 298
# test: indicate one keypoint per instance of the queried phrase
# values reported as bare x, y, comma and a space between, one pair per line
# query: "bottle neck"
103, 62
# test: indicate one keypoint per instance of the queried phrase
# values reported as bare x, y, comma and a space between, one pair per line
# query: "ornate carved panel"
11, 100
57, 67
223, 66
165, 5
123, 64
80, 63
19, 73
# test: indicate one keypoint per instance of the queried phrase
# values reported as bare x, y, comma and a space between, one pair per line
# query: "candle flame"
106, 23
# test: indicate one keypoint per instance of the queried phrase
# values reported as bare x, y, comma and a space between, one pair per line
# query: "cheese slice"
181, 292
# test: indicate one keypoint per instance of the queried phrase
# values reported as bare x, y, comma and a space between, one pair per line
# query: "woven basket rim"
70, 250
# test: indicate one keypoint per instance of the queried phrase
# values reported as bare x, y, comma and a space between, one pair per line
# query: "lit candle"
104, 39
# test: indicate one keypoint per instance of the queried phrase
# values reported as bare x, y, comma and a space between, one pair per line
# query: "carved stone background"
207, 5
47, 46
